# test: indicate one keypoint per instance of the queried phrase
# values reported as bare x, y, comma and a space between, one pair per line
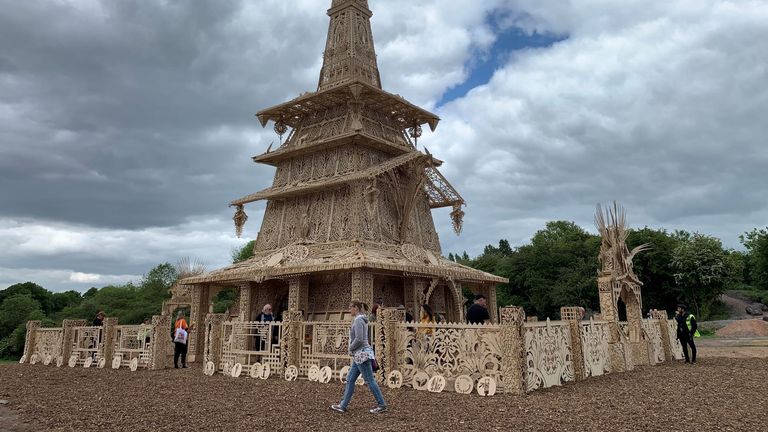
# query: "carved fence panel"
548, 354
251, 342
133, 341
594, 342
677, 349
48, 345
449, 350
88, 343
326, 343
656, 344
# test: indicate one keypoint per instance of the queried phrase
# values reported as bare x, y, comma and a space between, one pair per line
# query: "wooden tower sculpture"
349, 212
618, 281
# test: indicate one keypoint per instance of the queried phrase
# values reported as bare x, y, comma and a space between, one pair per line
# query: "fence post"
29, 340
108, 333
572, 315
68, 339
161, 327
386, 343
290, 345
512, 341
213, 341
660, 316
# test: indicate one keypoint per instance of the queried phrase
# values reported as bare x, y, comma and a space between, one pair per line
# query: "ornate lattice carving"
677, 349
249, 343
548, 354
49, 342
594, 342
656, 345
449, 350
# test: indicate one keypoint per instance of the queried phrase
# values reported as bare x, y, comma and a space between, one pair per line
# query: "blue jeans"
367, 370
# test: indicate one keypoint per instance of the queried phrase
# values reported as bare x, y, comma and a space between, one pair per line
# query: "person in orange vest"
180, 334
686, 331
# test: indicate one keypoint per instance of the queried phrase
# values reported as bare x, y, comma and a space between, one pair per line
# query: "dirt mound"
744, 328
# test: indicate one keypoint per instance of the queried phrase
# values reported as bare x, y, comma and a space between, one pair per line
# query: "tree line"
131, 303
559, 267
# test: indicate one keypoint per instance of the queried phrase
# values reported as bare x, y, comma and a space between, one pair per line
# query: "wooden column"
416, 297
572, 315
298, 293
108, 334
246, 301
362, 286
661, 320
512, 341
160, 342
290, 344
493, 305
198, 310
386, 344
213, 340
68, 338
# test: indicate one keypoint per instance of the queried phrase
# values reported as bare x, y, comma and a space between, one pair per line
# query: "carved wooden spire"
349, 52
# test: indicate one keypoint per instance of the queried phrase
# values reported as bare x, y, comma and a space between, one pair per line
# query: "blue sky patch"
482, 66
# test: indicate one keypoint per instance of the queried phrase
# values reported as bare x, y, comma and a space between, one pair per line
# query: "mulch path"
718, 394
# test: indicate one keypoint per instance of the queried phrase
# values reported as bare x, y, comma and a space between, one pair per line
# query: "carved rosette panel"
656, 344
594, 342
548, 355
677, 349
450, 350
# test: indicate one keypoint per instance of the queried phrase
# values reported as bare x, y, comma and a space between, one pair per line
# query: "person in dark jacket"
478, 312
99, 320
686, 331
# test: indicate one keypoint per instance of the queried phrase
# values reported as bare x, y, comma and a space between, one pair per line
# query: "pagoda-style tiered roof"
352, 190
313, 258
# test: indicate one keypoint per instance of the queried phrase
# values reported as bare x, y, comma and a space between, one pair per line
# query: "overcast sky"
127, 126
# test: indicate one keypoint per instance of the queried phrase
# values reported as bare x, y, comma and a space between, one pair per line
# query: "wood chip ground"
718, 394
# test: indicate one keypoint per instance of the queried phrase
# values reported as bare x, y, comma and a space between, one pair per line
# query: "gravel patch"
744, 329
717, 394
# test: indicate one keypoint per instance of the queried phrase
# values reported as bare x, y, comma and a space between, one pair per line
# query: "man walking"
686, 331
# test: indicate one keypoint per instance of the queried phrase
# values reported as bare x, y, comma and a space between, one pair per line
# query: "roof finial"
349, 52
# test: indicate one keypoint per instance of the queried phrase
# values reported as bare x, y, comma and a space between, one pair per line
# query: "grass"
8, 361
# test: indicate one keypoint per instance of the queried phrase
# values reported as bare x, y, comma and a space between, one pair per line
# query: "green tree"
557, 268
654, 267
15, 310
35, 291
756, 243
701, 271
155, 286
244, 252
